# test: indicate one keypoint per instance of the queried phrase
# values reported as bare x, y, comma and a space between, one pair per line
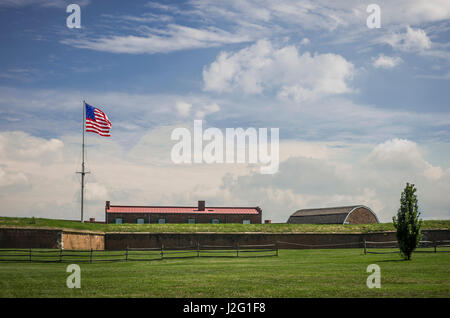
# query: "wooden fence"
392, 247
135, 254
382, 247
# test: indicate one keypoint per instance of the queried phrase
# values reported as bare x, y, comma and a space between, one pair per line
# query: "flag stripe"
96, 129
99, 133
93, 123
90, 122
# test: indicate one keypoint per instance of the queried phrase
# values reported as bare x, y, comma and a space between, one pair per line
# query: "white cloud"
173, 37
183, 108
311, 174
413, 40
202, 109
12, 178
96, 192
394, 150
305, 41
322, 14
261, 67
414, 11
401, 155
387, 62
207, 110
19, 145
359, 174
43, 3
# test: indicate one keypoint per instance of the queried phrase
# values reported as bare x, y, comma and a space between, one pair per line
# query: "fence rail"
340, 245
380, 247
134, 254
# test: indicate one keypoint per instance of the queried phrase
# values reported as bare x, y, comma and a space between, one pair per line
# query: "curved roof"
333, 215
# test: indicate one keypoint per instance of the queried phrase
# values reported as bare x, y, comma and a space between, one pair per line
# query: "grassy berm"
222, 228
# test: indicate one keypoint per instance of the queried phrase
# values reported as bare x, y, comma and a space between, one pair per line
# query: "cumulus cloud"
262, 67
183, 108
386, 62
311, 174
402, 156
19, 145
202, 109
376, 179
206, 110
413, 40
96, 191
12, 178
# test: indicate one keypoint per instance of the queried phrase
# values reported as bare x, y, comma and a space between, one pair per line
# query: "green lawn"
272, 228
294, 273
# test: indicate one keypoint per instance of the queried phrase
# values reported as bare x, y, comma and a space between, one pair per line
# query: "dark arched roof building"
355, 214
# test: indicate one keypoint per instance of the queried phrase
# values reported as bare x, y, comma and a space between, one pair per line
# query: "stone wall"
76, 240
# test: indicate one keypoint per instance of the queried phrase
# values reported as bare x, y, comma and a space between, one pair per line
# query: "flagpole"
82, 164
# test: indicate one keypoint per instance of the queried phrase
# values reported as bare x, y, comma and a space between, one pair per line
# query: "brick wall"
30, 238
75, 240
50, 238
145, 240
361, 216
183, 217
53, 238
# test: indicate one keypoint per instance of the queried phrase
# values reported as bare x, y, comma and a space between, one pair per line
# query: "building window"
118, 221
191, 221
162, 221
140, 221
215, 221
246, 222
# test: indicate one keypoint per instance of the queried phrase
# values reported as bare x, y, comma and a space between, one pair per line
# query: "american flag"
97, 121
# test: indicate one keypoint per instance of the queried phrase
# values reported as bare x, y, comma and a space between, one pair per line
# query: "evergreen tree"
407, 222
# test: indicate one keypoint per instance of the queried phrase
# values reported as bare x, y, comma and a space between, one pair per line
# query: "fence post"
90, 257
365, 248
60, 255
126, 254
30, 254
198, 249
162, 250
237, 249
435, 246
276, 248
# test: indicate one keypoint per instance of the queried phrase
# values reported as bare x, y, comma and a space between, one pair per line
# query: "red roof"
174, 209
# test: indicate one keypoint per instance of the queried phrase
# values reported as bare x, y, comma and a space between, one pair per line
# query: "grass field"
226, 228
294, 273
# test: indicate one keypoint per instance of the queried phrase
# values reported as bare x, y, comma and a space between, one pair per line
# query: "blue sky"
349, 102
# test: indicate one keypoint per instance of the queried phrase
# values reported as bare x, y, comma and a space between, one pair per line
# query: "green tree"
407, 222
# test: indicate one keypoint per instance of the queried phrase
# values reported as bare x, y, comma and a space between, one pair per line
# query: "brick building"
355, 214
181, 214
